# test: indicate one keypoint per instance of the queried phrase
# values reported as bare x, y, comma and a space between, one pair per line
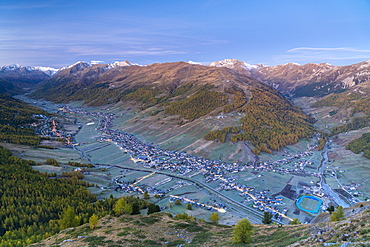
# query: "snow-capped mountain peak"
14, 67
234, 63
79, 63
47, 70
119, 64
11, 67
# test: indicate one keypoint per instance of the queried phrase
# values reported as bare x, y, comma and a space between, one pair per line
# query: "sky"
58, 33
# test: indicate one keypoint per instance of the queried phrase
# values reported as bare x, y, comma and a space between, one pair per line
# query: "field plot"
48, 168
309, 204
62, 155
351, 168
88, 133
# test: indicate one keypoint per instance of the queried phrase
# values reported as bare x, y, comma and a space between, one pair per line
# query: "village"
146, 155
225, 174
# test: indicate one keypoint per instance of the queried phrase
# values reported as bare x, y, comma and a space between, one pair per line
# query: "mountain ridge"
306, 80
290, 79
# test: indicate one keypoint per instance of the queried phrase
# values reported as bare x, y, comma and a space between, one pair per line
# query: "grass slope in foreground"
161, 230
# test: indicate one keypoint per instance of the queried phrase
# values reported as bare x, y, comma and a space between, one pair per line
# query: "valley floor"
244, 188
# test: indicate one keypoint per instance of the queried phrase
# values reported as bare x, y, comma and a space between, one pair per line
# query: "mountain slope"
189, 91
306, 80
9, 88
16, 116
24, 77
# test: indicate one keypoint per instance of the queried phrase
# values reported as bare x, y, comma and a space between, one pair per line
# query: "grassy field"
309, 203
62, 155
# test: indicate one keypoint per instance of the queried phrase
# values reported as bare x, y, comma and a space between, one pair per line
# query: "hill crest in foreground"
158, 229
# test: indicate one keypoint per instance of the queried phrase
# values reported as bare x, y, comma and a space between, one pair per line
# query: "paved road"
252, 214
326, 188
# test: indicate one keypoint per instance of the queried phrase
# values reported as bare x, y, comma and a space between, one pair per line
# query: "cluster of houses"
147, 155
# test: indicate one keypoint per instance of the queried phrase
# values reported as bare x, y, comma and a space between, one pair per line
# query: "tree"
146, 195
52, 162
152, 208
177, 202
330, 209
214, 217
295, 222
338, 215
267, 218
69, 219
93, 221
242, 232
122, 207
135, 208
189, 206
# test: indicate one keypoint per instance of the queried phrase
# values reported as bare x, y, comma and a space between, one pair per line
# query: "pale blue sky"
57, 33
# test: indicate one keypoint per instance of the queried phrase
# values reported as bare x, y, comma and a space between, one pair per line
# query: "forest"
197, 105
35, 205
16, 116
361, 145
355, 124
271, 122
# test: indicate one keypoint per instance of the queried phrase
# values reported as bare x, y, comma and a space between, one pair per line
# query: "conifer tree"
242, 232
122, 207
338, 215
146, 195
69, 219
93, 221
214, 217
295, 222
267, 218
135, 208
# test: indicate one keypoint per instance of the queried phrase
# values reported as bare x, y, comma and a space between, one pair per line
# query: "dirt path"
196, 144
248, 155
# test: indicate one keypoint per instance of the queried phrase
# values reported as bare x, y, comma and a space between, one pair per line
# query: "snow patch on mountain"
119, 64
77, 63
93, 62
47, 70
192, 62
365, 64
233, 63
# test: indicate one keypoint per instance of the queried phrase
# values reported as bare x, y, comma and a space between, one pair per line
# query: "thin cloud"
322, 54
346, 49
31, 5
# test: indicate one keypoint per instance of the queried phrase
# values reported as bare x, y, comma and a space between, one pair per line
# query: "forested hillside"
9, 89
271, 122
361, 145
31, 203
36, 205
16, 116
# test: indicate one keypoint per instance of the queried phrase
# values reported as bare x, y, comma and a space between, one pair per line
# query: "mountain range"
191, 91
290, 79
